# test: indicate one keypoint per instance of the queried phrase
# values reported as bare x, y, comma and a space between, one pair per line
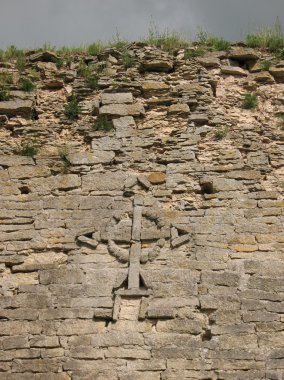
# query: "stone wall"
144, 239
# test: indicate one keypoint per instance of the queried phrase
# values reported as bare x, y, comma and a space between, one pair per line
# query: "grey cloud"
30, 23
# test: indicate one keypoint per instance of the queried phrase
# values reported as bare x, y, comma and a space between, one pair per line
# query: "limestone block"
106, 144
271, 340
110, 181
243, 54
116, 98
152, 88
233, 70
263, 77
199, 118
230, 342
179, 109
157, 178
195, 364
117, 339
8, 188
159, 65
128, 353
44, 56
17, 235
277, 73
259, 316
97, 157
61, 276
79, 327
124, 126
53, 84
136, 109
23, 172
44, 341
210, 62
15, 342
266, 283
187, 326
147, 365
12, 108
220, 278
160, 313
223, 184
220, 303
86, 352
145, 375
36, 365
38, 301
63, 182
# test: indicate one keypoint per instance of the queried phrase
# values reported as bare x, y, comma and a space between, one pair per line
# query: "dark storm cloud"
30, 23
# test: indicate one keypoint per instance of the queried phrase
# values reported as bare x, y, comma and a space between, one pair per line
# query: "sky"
31, 23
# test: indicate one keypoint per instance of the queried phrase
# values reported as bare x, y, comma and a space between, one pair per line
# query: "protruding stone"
233, 70
157, 178
116, 98
17, 107
243, 54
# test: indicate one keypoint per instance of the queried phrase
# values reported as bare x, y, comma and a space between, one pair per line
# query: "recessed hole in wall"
206, 336
207, 188
24, 190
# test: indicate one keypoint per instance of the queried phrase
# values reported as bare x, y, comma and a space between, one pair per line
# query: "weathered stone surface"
104, 181
122, 110
13, 108
88, 158
117, 98
22, 172
209, 61
157, 178
178, 108
234, 70
277, 73
243, 54
159, 65
263, 77
154, 88
45, 56
124, 126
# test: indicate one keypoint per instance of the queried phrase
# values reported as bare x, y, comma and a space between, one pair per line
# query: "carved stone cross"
133, 284
134, 256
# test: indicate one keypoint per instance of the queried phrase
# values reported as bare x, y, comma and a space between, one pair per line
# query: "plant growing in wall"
72, 108
250, 101
103, 124
63, 154
26, 84
127, 60
29, 147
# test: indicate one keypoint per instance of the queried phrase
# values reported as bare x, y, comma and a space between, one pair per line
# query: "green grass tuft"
270, 38
88, 72
26, 84
250, 101
166, 40
103, 124
220, 134
63, 154
265, 65
72, 108
21, 63
29, 147
193, 53
4, 94
95, 48
127, 60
